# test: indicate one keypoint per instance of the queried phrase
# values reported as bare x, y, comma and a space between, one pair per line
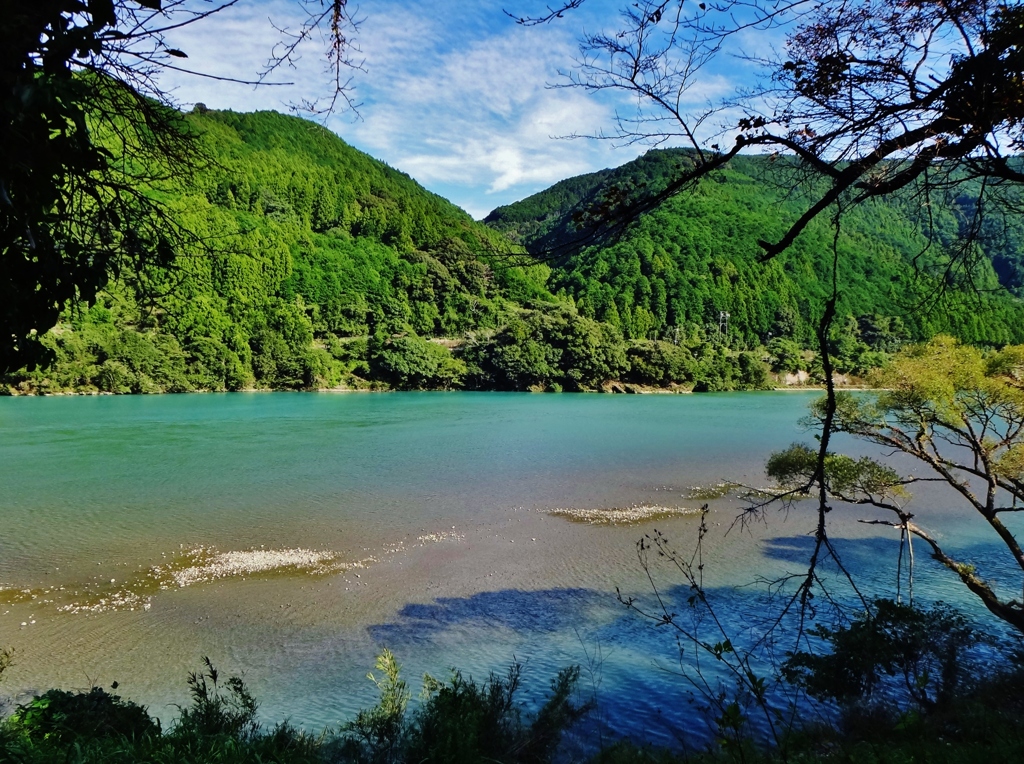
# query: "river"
290, 536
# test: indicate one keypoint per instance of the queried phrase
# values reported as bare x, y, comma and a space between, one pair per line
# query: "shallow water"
289, 536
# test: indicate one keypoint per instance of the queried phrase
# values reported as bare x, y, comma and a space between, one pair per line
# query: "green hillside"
677, 267
311, 248
319, 266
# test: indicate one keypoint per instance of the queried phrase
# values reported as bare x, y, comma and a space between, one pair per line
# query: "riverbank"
776, 383
457, 720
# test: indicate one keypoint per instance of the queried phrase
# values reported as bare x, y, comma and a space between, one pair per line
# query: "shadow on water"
524, 612
633, 667
636, 668
859, 553
872, 562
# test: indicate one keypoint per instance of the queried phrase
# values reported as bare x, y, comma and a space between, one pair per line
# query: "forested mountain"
309, 248
680, 265
316, 266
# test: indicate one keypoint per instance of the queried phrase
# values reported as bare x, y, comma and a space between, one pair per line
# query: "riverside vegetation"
941, 716
322, 267
412, 295
895, 683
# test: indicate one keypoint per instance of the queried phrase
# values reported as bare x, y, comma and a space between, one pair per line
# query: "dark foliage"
924, 649
82, 149
66, 717
461, 721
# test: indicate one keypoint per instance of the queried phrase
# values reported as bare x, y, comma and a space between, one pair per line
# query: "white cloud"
475, 120
237, 43
454, 92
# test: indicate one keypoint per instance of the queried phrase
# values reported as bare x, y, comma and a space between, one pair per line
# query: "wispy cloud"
238, 43
454, 93
475, 121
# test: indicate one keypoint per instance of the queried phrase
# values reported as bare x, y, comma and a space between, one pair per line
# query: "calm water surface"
427, 520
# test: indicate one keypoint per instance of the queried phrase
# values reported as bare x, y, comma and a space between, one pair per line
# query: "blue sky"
454, 93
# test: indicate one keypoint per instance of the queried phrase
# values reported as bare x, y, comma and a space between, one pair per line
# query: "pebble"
621, 516
224, 564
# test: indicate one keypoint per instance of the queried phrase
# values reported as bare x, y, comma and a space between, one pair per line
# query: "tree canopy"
960, 414
676, 267
317, 265
871, 96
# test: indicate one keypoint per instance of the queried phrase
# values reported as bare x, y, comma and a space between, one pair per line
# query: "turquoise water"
428, 518
114, 473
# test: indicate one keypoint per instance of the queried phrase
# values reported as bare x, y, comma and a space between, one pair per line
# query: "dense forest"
316, 266
697, 254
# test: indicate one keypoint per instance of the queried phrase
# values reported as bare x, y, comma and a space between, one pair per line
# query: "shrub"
377, 734
468, 722
922, 649
413, 363
231, 711
459, 720
65, 717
